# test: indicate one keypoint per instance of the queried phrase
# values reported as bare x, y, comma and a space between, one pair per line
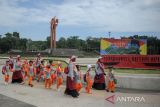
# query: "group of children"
48, 72
52, 73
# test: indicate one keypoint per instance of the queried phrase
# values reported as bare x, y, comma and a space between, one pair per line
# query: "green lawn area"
130, 71
137, 71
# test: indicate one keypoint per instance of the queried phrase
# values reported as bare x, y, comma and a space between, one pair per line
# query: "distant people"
6, 69
17, 76
99, 79
88, 79
111, 81
31, 73
70, 82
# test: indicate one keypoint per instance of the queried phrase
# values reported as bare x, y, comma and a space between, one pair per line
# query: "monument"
54, 23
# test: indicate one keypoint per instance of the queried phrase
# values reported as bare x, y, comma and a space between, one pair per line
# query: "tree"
8, 35
16, 35
73, 42
62, 43
93, 44
48, 41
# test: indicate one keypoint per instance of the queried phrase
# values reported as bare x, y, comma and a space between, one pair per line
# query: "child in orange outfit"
25, 68
42, 67
31, 73
59, 71
79, 79
88, 80
111, 84
5, 71
53, 72
48, 77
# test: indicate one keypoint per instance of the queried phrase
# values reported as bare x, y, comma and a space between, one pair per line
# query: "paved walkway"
10, 102
38, 96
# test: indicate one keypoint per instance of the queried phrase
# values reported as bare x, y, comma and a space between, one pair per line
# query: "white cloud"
113, 15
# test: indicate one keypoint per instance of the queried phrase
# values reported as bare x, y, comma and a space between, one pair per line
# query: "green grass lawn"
130, 71
137, 71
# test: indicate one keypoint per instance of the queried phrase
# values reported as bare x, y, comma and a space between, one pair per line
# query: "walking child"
42, 67
5, 71
25, 68
53, 72
31, 73
111, 84
59, 71
88, 80
48, 77
78, 78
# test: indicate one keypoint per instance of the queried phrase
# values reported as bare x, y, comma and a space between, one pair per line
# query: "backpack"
66, 71
3, 69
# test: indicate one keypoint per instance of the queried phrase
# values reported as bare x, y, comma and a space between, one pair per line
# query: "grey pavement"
41, 97
10, 102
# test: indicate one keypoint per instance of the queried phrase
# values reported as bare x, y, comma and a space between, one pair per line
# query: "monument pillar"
54, 23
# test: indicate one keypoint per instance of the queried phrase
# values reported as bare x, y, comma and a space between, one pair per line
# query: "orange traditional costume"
5, 71
59, 71
42, 67
48, 77
88, 80
78, 76
53, 72
25, 68
111, 84
31, 73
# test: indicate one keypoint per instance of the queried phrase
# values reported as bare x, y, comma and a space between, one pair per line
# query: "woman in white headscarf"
17, 76
71, 83
99, 79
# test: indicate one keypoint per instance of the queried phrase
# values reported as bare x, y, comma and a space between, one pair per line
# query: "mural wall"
123, 46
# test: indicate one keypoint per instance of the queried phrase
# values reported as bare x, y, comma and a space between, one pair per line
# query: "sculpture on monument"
54, 23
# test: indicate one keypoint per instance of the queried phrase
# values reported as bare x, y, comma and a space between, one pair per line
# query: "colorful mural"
123, 46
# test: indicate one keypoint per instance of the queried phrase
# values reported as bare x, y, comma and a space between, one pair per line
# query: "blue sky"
80, 17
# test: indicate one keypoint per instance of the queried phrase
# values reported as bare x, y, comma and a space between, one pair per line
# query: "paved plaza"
15, 95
